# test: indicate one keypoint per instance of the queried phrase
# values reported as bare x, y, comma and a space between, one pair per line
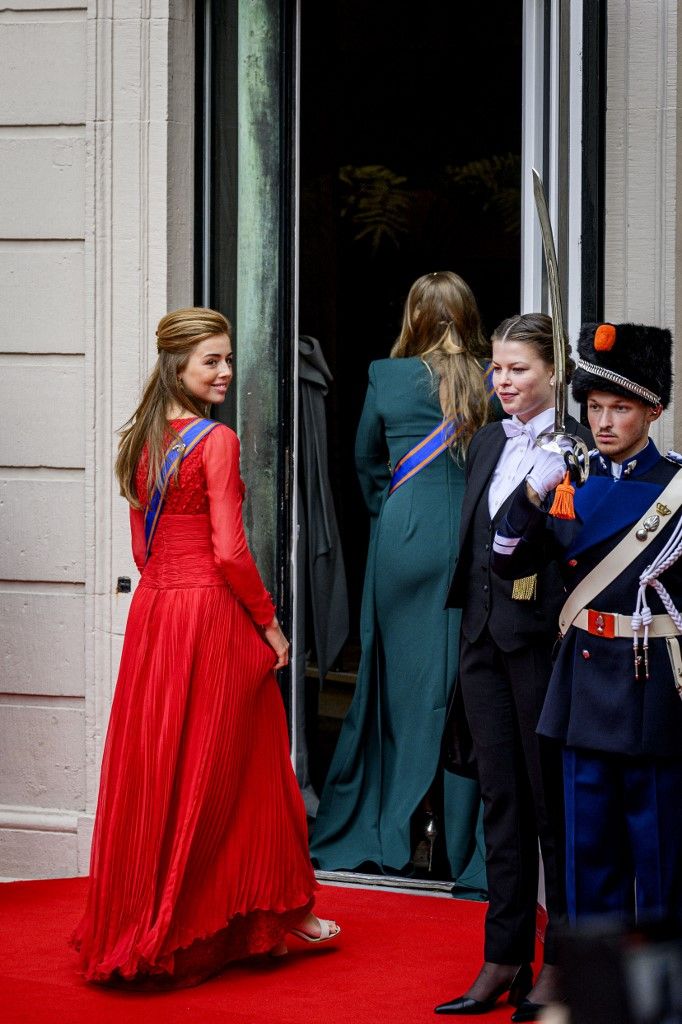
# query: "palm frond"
376, 202
496, 182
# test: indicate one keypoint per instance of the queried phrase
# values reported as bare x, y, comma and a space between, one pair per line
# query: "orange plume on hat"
604, 338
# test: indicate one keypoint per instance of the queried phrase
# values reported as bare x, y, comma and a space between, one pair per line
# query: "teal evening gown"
388, 751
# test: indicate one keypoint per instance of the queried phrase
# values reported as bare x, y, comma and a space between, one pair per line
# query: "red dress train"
200, 851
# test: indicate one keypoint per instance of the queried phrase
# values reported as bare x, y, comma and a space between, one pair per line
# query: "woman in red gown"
200, 851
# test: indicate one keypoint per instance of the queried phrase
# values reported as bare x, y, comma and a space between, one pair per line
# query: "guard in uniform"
614, 698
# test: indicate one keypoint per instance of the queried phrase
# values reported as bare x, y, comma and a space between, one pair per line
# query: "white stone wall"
42, 473
95, 245
642, 282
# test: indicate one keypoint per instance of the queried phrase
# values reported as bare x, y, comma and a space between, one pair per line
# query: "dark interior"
409, 163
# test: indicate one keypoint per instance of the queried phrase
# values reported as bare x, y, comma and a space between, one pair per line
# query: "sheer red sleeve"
137, 536
225, 494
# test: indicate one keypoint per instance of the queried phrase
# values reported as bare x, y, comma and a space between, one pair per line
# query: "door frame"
563, 99
564, 105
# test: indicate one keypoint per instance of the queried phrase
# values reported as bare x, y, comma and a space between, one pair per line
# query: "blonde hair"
177, 336
442, 326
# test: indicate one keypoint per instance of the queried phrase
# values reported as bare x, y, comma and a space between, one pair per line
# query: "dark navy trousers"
623, 836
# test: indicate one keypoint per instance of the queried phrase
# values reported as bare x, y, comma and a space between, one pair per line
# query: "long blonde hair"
177, 335
442, 325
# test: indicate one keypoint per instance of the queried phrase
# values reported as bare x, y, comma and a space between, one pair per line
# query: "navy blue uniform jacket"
594, 700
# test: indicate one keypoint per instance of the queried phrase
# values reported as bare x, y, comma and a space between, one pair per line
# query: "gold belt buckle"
601, 623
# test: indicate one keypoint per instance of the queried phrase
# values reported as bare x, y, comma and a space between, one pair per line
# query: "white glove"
549, 469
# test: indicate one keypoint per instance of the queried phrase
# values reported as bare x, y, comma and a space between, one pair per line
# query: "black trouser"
521, 786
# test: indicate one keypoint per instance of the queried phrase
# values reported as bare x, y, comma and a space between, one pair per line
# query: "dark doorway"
410, 162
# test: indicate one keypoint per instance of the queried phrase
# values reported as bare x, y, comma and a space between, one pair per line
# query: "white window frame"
541, 130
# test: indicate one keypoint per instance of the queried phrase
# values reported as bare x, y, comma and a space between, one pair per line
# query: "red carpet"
398, 956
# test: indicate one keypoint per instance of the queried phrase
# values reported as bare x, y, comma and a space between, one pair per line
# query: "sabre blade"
555, 300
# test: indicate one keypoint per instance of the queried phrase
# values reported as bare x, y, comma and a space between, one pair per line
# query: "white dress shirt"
518, 456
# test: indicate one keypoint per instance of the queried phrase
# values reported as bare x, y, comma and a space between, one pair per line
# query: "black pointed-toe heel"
422, 858
520, 986
527, 1011
518, 989
430, 835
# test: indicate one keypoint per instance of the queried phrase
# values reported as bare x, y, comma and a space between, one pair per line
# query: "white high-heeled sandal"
326, 932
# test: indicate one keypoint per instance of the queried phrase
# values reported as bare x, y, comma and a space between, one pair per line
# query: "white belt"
613, 624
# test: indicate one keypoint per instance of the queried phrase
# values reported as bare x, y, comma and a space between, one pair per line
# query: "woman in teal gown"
387, 759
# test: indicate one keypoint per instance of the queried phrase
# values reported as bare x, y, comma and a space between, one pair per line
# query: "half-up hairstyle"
534, 329
177, 335
442, 326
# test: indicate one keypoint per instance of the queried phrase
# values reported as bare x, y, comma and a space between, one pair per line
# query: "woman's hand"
549, 469
279, 643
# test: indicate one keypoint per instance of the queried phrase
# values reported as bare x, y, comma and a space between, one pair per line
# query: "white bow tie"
513, 428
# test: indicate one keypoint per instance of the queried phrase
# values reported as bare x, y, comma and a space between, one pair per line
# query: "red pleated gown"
200, 852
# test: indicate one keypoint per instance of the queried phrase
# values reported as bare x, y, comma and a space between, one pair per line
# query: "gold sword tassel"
525, 588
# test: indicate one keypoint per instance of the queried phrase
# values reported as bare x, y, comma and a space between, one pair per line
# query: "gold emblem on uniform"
662, 509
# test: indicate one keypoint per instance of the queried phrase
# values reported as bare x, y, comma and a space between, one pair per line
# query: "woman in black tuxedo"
508, 631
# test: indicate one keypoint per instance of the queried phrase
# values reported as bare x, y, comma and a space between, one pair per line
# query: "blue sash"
191, 435
433, 444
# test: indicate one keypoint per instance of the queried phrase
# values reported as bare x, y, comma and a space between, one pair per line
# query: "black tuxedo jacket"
485, 598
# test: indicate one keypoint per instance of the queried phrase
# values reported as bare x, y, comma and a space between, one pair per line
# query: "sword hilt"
574, 450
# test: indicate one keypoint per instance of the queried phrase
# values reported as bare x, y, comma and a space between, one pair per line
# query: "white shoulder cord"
642, 616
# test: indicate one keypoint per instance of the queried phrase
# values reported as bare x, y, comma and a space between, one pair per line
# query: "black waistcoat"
488, 599
483, 594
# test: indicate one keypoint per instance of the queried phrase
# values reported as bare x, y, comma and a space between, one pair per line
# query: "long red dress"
200, 852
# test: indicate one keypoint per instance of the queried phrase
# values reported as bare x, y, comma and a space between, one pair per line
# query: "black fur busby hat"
627, 359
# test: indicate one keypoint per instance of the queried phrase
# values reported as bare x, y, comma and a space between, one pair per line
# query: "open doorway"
410, 162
